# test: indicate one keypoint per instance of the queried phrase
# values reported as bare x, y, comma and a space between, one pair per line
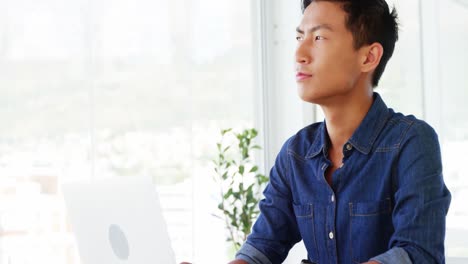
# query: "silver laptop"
118, 221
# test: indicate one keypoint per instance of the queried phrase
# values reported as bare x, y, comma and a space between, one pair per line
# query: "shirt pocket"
305, 220
371, 228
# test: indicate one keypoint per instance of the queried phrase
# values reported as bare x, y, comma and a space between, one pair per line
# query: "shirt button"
330, 235
349, 146
333, 198
324, 165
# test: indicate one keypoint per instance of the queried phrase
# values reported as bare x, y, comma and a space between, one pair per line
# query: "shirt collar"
365, 135
321, 138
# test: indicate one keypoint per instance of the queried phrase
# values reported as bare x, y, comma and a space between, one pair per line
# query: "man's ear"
371, 57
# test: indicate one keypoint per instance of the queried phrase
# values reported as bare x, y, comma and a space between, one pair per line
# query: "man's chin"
308, 94
310, 101
308, 98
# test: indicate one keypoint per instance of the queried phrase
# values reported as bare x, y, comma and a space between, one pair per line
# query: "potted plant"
241, 184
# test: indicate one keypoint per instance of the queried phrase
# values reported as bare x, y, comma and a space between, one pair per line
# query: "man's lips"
302, 76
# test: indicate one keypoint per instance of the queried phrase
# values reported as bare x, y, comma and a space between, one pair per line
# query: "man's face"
327, 63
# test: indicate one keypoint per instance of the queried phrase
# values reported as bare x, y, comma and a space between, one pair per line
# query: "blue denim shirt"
388, 202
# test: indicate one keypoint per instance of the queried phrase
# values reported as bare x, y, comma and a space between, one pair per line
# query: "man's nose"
302, 53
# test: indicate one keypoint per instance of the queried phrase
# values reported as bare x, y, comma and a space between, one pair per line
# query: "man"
366, 185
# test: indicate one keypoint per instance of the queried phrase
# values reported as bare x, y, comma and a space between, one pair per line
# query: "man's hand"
371, 262
238, 261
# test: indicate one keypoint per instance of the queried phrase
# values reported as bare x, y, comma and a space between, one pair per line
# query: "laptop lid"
118, 220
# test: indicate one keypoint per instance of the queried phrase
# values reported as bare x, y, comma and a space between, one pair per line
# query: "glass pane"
103, 89
403, 75
454, 62
159, 113
44, 134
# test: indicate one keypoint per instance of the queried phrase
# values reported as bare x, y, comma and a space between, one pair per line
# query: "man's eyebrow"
312, 30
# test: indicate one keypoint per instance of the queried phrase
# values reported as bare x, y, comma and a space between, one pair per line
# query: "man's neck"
344, 117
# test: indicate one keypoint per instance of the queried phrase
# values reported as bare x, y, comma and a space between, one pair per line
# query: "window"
453, 36
98, 89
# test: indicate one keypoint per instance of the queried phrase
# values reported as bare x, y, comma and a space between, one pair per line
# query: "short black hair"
369, 21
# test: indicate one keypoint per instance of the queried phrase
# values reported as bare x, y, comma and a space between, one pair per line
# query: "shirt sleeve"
252, 255
394, 255
275, 231
421, 199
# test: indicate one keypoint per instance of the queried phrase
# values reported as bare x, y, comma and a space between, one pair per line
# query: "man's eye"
319, 38
299, 38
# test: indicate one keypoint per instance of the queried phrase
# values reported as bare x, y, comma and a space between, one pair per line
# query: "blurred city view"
99, 89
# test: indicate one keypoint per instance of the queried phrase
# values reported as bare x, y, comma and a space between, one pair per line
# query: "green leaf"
228, 194
224, 131
238, 245
254, 132
262, 178
245, 153
249, 195
249, 189
241, 169
254, 169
